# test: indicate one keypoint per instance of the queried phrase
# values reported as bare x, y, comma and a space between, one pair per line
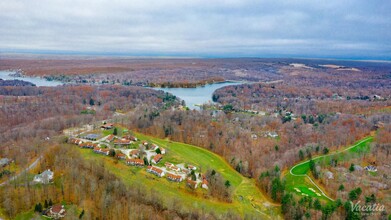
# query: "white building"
45, 177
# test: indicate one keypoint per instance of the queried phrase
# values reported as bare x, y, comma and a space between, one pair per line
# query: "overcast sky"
205, 28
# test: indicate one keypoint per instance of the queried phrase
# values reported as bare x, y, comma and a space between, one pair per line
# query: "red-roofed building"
107, 126
120, 156
134, 153
89, 145
186, 171
172, 167
56, 212
75, 141
99, 150
192, 184
155, 170
204, 184
173, 177
122, 141
105, 152
154, 147
191, 167
130, 137
110, 138
157, 158
135, 162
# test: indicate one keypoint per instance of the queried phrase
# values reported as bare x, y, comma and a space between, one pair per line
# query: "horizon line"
186, 56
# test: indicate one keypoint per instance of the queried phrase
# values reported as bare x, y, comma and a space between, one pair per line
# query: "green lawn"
303, 183
247, 199
30, 215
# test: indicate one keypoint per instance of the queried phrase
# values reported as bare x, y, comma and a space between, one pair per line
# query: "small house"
329, 175
192, 184
110, 138
134, 153
135, 162
157, 158
130, 137
120, 156
107, 126
272, 134
154, 147
172, 167
4, 162
191, 167
122, 142
56, 212
204, 183
155, 170
173, 177
99, 150
44, 178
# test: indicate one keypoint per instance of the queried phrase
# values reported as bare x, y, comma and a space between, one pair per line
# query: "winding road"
318, 157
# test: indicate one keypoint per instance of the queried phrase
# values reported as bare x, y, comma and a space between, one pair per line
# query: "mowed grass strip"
358, 147
303, 184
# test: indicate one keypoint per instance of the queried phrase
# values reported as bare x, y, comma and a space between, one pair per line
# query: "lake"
198, 95
36, 80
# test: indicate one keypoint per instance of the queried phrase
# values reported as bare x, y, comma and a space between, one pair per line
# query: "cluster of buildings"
174, 173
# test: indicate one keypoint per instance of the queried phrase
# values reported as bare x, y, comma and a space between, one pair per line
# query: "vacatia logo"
368, 208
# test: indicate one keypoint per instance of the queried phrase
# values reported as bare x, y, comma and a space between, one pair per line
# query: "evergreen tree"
355, 193
350, 213
158, 151
317, 205
112, 153
277, 189
38, 207
301, 155
286, 202
81, 214
351, 168
146, 161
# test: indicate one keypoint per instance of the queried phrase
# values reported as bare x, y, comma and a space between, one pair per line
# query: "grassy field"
247, 199
298, 181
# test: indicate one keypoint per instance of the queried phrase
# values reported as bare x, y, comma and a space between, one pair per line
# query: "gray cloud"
349, 28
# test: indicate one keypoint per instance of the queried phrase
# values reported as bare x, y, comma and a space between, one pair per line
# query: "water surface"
198, 95
36, 80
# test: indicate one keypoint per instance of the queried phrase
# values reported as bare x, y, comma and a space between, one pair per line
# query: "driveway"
32, 165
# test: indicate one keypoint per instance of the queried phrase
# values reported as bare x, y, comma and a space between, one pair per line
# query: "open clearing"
298, 181
247, 199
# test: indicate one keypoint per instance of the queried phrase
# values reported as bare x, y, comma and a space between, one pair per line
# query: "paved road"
327, 155
32, 165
